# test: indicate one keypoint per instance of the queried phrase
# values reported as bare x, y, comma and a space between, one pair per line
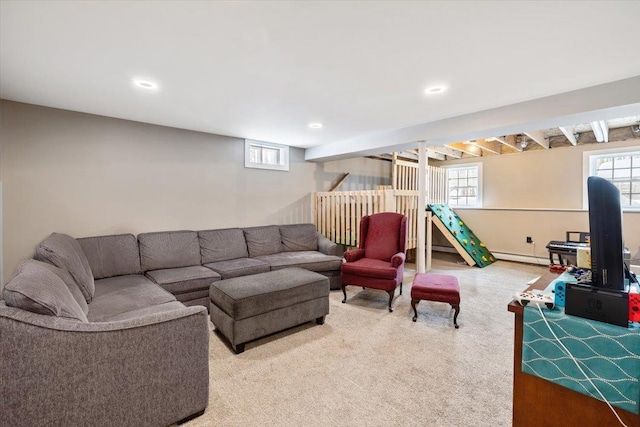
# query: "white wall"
88, 175
538, 194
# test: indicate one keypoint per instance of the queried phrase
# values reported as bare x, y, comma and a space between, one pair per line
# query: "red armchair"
378, 263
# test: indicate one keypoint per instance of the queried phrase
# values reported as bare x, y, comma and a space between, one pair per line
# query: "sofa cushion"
263, 240
185, 279
309, 260
38, 289
65, 252
238, 267
299, 237
169, 249
146, 311
188, 297
221, 245
108, 256
248, 296
370, 267
71, 284
122, 294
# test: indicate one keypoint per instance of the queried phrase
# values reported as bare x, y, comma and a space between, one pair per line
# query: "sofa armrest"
354, 255
150, 370
398, 259
326, 246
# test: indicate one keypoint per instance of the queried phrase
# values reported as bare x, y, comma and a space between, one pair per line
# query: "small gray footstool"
250, 307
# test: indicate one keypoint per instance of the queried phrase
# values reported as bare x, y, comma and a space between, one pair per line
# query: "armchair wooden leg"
390, 299
344, 292
400, 288
414, 302
456, 307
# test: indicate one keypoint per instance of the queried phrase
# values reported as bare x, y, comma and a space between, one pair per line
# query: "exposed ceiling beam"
447, 151
491, 146
570, 134
538, 136
437, 156
508, 140
469, 149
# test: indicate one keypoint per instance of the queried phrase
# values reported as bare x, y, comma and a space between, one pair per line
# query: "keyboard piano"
564, 248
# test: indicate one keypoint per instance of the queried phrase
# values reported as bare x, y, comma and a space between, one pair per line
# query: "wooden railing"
405, 177
337, 214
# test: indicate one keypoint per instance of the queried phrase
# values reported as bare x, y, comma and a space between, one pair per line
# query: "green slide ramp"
461, 237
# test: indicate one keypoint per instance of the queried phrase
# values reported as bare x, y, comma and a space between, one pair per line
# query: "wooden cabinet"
538, 402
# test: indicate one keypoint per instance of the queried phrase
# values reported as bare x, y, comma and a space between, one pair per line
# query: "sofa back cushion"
110, 256
222, 245
299, 237
71, 284
65, 252
37, 289
263, 240
168, 249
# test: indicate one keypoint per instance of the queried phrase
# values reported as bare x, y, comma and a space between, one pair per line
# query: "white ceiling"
264, 70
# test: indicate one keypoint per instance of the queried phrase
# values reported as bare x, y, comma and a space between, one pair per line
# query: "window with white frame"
622, 168
464, 185
266, 155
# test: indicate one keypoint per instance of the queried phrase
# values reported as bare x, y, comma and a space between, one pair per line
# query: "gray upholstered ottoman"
250, 307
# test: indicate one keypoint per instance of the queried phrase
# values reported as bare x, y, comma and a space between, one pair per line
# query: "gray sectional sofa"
110, 330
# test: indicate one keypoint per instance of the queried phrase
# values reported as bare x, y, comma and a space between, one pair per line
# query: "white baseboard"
528, 259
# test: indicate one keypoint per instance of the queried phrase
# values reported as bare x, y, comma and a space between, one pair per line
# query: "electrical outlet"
529, 239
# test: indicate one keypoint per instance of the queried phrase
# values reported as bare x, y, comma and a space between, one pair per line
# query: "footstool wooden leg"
414, 302
320, 320
390, 299
456, 307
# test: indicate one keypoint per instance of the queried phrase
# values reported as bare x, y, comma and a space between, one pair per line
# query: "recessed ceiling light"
315, 125
433, 90
145, 84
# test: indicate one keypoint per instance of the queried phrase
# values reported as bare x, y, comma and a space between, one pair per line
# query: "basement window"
266, 155
464, 186
621, 167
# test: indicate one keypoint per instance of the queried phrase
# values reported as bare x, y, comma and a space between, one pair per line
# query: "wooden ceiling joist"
434, 155
508, 140
491, 146
469, 149
569, 133
447, 151
539, 138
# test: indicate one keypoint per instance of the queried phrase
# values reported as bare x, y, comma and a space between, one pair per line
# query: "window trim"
479, 198
284, 155
588, 160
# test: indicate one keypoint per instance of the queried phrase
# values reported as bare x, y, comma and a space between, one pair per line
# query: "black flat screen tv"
605, 226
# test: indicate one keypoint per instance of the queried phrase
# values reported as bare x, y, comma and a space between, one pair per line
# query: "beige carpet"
368, 367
